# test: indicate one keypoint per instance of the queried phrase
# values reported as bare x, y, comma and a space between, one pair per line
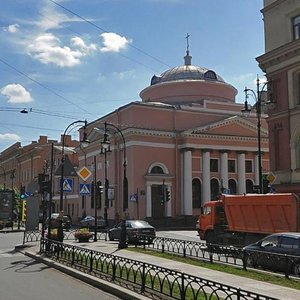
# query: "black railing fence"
148, 279
202, 250
287, 264
35, 236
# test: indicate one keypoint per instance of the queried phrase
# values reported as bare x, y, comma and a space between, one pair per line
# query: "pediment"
233, 126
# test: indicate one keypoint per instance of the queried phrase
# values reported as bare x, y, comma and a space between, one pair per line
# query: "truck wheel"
296, 269
210, 238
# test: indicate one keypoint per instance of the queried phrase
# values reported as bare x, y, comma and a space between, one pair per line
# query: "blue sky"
81, 59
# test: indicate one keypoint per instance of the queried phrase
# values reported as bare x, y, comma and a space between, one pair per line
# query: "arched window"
249, 186
232, 186
210, 75
157, 170
196, 191
215, 189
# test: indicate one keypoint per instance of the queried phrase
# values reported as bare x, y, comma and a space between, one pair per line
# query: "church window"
196, 193
249, 186
210, 75
231, 166
248, 166
215, 188
214, 165
157, 170
232, 186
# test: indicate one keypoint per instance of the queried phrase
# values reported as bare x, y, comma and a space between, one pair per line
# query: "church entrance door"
158, 206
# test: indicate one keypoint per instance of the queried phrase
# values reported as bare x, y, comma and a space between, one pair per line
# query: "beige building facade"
281, 62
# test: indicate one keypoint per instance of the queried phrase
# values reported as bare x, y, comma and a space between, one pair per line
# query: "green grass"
260, 276
153, 282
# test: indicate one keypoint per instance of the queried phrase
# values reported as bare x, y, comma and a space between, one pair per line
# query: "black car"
271, 252
136, 231
66, 221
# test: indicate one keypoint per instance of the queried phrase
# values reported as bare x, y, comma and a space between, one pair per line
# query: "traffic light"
99, 191
99, 188
168, 196
266, 184
24, 213
22, 192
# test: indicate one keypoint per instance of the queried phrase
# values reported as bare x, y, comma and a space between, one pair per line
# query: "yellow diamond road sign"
84, 173
271, 177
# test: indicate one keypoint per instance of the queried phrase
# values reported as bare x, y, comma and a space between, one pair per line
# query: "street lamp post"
105, 144
105, 148
258, 106
95, 197
85, 141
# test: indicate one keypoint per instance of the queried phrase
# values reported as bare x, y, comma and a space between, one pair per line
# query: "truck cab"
213, 215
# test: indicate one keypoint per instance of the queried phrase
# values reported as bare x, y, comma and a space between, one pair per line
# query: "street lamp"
106, 144
84, 143
105, 148
258, 96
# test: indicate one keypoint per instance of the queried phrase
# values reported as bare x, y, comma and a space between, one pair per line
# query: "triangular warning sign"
84, 190
66, 185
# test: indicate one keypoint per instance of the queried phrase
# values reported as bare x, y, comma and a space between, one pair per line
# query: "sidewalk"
260, 287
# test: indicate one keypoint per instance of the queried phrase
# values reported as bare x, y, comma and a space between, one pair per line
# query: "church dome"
187, 72
188, 84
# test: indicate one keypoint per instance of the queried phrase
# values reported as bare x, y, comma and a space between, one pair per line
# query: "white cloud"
47, 49
13, 28
78, 42
9, 137
51, 19
113, 42
16, 93
125, 75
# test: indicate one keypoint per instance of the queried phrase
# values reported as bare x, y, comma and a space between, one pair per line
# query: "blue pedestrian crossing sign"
68, 185
84, 188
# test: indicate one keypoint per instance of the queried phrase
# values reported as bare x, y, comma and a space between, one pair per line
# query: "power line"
44, 86
103, 30
26, 126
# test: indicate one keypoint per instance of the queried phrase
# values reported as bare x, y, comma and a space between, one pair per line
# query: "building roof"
187, 72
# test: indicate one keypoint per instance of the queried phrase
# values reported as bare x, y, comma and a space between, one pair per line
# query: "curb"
101, 284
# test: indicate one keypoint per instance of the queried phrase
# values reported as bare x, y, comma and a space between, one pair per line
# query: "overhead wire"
43, 86
104, 30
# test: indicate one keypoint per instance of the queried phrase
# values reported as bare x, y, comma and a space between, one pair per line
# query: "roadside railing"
287, 264
35, 236
148, 279
201, 250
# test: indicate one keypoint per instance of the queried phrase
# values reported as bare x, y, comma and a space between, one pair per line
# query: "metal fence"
287, 264
151, 280
35, 236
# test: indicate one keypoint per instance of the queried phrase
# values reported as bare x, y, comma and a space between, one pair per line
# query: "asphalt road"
23, 278
188, 235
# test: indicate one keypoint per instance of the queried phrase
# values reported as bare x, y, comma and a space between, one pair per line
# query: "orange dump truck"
244, 219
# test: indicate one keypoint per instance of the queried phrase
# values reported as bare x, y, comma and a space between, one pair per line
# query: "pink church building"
187, 135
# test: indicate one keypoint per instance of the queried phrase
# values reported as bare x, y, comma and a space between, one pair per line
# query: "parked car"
89, 221
136, 231
66, 221
262, 252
